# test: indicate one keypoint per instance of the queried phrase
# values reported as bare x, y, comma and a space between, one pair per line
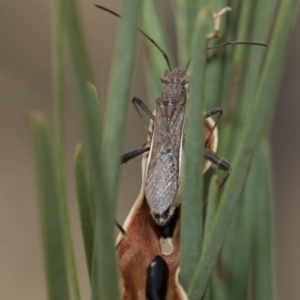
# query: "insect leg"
219, 163
122, 230
120, 227
132, 154
214, 111
139, 103
210, 113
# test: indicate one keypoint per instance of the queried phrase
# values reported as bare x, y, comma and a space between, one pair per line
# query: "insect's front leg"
139, 103
132, 154
219, 163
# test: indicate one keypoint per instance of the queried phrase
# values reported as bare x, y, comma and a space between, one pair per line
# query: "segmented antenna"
238, 43
142, 32
187, 65
231, 43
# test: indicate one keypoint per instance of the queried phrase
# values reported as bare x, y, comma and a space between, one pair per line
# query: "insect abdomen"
162, 182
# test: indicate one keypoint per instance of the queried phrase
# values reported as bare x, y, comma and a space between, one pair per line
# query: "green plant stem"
51, 222
183, 31
264, 287
155, 62
237, 251
237, 67
96, 123
105, 283
57, 63
215, 66
113, 133
191, 240
118, 97
264, 13
264, 100
211, 207
87, 219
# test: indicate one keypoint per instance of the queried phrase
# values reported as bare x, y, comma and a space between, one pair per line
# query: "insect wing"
162, 173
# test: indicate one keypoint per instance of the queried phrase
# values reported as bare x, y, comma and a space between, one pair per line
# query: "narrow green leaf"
244, 27
211, 207
96, 123
260, 31
238, 249
207, 295
57, 66
183, 29
191, 213
216, 289
263, 268
234, 62
57, 79
113, 133
227, 53
118, 96
85, 206
215, 62
155, 62
255, 127
105, 283
52, 229
96, 111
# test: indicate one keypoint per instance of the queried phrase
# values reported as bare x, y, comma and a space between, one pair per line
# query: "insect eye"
163, 79
184, 80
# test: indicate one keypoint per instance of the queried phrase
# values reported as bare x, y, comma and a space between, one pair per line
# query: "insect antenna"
238, 43
188, 64
142, 32
230, 43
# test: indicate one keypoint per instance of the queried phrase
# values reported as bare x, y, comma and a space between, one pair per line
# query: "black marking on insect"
157, 279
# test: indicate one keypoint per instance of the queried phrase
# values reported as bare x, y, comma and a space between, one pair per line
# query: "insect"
165, 152
164, 164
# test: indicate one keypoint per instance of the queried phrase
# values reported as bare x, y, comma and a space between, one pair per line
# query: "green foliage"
191, 211
51, 223
226, 245
87, 219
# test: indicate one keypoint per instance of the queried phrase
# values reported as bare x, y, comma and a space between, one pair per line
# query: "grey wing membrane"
163, 169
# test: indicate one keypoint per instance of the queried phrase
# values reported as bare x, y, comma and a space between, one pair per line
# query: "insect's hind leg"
212, 112
219, 163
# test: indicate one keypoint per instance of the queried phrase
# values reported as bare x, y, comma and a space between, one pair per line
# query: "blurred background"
25, 85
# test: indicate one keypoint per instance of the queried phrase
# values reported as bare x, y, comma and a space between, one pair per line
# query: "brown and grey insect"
164, 164
166, 150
